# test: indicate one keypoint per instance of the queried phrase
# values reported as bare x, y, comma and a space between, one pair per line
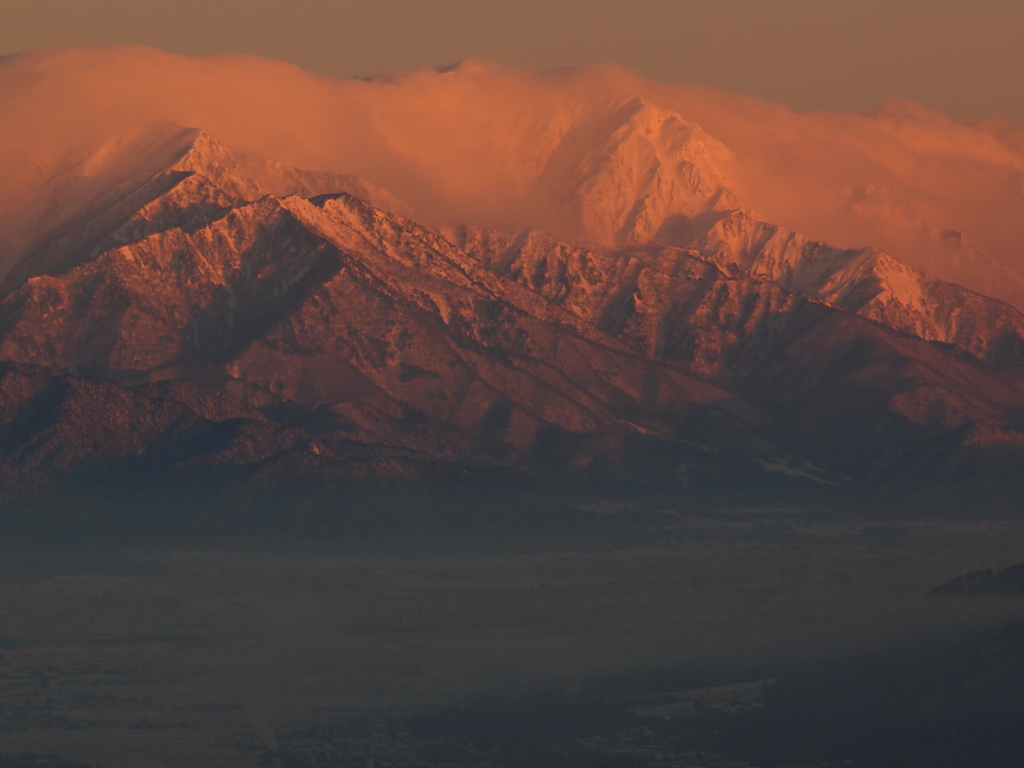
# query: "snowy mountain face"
202, 182
622, 178
866, 281
196, 310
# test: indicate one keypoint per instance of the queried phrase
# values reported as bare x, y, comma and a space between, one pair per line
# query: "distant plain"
209, 654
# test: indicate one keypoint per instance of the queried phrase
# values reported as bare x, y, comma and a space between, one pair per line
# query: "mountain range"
178, 307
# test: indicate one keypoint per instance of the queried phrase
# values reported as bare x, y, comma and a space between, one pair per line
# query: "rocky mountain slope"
866, 281
202, 179
232, 318
869, 282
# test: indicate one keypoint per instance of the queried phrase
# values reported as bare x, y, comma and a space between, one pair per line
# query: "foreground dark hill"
238, 319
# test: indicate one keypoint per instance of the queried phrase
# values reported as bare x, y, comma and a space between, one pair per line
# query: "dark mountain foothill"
1006, 581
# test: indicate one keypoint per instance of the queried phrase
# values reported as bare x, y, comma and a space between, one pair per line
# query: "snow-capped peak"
618, 179
196, 178
247, 177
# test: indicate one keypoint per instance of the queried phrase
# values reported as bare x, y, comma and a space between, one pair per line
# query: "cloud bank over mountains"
594, 154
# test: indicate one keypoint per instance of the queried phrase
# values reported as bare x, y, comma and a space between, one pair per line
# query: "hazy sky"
965, 59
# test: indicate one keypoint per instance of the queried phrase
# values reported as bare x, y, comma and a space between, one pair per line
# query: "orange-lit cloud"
491, 146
